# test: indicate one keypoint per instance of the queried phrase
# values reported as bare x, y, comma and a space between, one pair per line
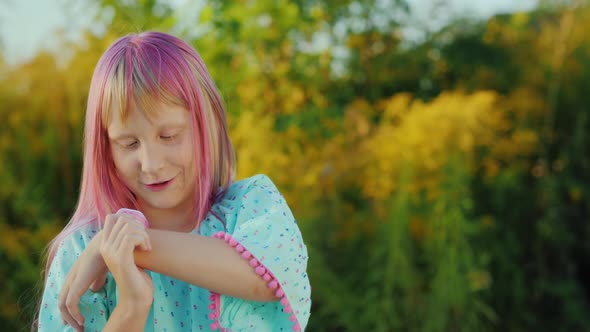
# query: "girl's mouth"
159, 186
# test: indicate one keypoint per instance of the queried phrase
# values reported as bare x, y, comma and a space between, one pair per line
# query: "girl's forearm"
203, 261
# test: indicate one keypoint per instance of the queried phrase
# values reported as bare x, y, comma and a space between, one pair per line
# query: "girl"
162, 235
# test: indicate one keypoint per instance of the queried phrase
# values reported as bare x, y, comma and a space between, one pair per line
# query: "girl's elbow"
263, 293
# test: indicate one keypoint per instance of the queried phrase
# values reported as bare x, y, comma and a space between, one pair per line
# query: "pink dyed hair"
145, 69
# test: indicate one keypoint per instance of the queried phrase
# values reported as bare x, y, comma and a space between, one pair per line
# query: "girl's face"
154, 157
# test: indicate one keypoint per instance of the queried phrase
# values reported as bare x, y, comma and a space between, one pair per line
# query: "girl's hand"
122, 234
89, 271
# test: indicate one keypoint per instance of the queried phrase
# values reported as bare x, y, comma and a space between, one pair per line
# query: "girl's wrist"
130, 317
134, 309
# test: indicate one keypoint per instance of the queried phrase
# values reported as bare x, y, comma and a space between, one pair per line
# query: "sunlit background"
433, 152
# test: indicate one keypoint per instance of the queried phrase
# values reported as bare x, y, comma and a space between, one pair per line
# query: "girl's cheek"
126, 161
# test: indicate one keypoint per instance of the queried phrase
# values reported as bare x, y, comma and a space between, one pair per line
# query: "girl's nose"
151, 159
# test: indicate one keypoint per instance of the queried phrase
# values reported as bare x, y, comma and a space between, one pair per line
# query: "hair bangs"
142, 80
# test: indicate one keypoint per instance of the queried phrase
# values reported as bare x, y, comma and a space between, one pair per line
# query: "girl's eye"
167, 137
128, 144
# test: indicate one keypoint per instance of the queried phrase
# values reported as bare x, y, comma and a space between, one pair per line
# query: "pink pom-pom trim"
260, 270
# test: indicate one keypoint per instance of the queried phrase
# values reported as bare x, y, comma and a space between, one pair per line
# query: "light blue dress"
258, 224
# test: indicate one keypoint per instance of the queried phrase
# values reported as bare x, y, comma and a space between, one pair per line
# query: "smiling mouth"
159, 186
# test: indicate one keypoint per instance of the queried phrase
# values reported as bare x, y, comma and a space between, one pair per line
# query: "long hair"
143, 70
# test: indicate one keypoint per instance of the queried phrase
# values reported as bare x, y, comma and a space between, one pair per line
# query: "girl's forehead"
163, 115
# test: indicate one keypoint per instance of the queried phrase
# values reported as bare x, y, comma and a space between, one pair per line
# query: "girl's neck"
178, 219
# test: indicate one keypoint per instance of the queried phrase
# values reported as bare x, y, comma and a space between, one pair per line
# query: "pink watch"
137, 215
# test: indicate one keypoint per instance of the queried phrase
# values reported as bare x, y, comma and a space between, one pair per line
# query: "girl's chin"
163, 204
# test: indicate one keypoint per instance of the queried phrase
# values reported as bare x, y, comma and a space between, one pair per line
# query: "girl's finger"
132, 228
128, 242
144, 244
65, 314
131, 238
139, 228
73, 305
132, 220
109, 223
76, 288
145, 241
126, 225
117, 227
116, 241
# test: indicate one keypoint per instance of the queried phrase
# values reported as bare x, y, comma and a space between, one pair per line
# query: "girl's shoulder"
255, 190
77, 236
241, 201
246, 185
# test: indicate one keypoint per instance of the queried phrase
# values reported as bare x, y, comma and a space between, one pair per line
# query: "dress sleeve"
266, 234
92, 305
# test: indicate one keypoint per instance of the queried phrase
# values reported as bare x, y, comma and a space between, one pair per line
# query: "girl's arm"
207, 262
